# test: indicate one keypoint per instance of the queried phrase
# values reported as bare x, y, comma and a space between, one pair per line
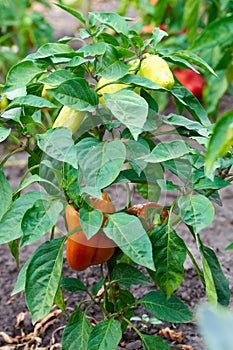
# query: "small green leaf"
196, 211
135, 150
43, 278
76, 334
58, 76
105, 335
111, 66
128, 234
73, 285
21, 279
191, 18
74, 13
167, 150
171, 310
5, 193
30, 101
53, 50
127, 275
154, 342
112, 20
4, 133
90, 221
220, 141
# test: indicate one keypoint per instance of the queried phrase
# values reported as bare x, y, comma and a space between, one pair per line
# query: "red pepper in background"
191, 80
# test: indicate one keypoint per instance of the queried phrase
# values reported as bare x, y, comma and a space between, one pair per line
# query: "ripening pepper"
82, 252
69, 118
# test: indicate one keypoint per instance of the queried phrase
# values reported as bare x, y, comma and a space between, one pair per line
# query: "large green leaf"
43, 278
169, 253
111, 66
218, 32
167, 150
105, 335
129, 108
76, 94
100, 162
53, 50
75, 336
126, 275
189, 124
50, 143
128, 234
5, 194
10, 224
30, 101
196, 211
220, 141
39, 219
170, 310
22, 73
112, 20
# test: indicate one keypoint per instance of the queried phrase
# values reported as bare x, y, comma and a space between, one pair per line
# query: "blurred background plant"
21, 29
204, 27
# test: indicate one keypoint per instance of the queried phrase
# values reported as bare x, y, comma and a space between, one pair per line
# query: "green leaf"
39, 219
43, 278
127, 275
14, 248
154, 342
74, 13
59, 300
76, 94
5, 194
22, 73
111, 66
179, 120
214, 91
21, 279
220, 141
53, 50
50, 143
111, 20
73, 285
58, 76
123, 105
100, 162
218, 32
30, 180
10, 224
170, 310
205, 184
90, 221
196, 211
97, 49
135, 150
191, 18
167, 150
136, 80
30, 101
4, 133
169, 253
75, 335
186, 99
128, 234
217, 286
105, 335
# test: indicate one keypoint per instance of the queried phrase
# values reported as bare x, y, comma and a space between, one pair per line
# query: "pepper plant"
88, 120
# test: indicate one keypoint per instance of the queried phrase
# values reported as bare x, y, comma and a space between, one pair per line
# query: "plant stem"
9, 155
199, 272
133, 327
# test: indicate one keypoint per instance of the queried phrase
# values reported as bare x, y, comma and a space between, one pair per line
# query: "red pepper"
191, 80
82, 252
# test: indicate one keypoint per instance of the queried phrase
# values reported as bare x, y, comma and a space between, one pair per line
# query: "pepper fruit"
82, 252
69, 118
156, 69
148, 212
191, 80
3, 101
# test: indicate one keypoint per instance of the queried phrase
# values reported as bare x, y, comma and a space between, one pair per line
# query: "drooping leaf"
43, 277
5, 194
167, 150
30, 101
169, 253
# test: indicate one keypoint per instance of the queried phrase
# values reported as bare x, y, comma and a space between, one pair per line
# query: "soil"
16, 329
